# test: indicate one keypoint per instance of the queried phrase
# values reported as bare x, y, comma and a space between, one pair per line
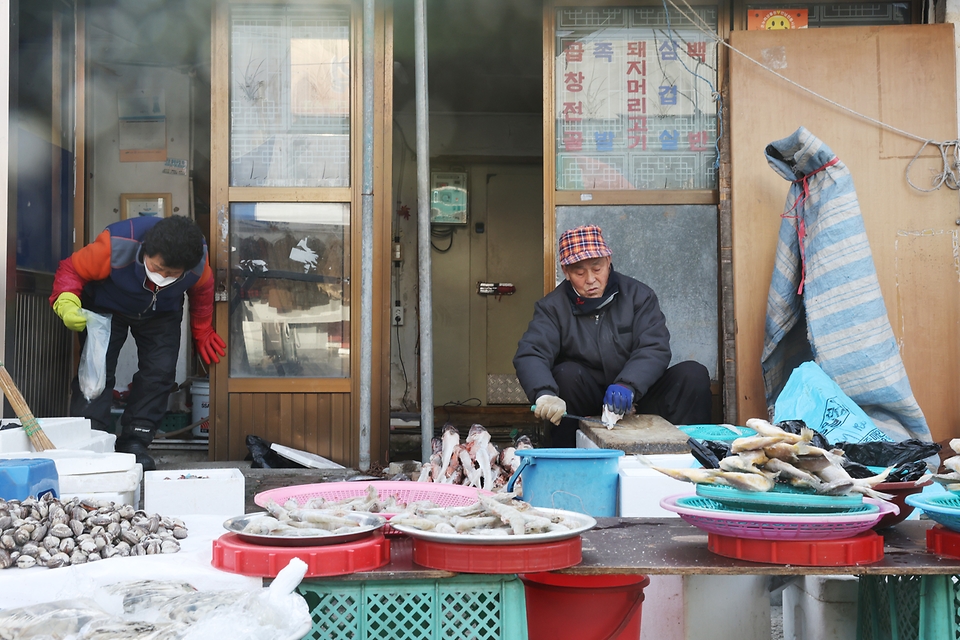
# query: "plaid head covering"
582, 243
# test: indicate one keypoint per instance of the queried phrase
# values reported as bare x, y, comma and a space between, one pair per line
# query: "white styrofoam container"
118, 481
71, 462
821, 608
583, 442
63, 432
179, 492
116, 497
642, 488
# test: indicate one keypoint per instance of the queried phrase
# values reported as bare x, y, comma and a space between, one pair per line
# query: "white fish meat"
742, 481
450, 439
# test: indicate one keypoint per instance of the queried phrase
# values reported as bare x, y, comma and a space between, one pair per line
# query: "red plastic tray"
865, 548
943, 542
519, 558
232, 554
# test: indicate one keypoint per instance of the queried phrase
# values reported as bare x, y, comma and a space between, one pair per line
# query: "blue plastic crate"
470, 607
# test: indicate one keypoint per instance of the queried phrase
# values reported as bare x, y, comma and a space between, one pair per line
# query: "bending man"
138, 270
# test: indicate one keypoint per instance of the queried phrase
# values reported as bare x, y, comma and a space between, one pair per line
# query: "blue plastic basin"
581, 480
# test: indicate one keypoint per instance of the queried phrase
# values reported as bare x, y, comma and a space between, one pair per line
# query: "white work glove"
550, 408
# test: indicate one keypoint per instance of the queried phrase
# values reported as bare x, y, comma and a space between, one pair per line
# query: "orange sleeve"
92, 262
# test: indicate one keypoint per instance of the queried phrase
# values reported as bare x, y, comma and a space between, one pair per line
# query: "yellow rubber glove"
67, 306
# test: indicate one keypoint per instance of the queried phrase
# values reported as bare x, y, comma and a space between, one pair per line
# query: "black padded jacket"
625, 342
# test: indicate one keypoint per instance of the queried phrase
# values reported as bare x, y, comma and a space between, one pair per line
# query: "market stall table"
670, 546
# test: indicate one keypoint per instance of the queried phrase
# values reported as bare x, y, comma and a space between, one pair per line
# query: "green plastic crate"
174, 421
908, 608
471, 607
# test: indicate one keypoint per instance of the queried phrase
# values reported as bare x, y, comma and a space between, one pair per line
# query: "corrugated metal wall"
41, 361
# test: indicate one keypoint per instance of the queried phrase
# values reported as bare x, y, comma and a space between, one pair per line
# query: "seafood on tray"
773, 455
495, 515
295, 521
476, 462
370, 502
951, 479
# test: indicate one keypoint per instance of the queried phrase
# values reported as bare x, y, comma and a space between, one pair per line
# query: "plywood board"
903, 75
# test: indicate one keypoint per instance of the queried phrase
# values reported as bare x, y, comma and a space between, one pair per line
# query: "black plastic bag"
908, 471
901, 473
708, 453
855, 469
264, 457
888, 454
795, 426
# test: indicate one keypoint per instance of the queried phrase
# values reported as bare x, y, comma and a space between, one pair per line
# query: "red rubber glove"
209, 345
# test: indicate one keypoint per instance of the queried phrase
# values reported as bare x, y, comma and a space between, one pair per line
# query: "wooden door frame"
222, 195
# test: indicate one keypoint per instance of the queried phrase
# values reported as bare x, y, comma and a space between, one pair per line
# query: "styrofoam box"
71, 462
118, 481
642, 488
179, 492
821, 608
116, 497
64, 433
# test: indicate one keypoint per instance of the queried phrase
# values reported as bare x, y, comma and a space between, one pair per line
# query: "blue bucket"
581, 480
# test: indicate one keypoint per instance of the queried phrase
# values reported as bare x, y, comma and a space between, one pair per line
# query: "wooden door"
286, 175
904, 76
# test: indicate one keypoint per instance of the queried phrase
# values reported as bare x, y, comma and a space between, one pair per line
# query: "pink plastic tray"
443, 495
779, 526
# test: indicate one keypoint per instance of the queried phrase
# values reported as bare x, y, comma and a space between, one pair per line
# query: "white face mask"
158, 279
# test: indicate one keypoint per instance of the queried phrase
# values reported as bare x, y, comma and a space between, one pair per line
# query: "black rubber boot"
136, 438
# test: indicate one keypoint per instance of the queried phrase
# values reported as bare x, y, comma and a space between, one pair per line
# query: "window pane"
289, 96
635, 98
290, 299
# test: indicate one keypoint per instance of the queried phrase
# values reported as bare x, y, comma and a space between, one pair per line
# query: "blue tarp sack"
824, 303
812, 396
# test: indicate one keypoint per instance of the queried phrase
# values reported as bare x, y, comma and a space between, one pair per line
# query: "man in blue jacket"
600, 340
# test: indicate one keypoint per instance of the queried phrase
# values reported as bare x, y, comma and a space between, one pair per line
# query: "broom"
38, 438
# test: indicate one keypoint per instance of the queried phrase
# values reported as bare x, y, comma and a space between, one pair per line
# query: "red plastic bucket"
599, 607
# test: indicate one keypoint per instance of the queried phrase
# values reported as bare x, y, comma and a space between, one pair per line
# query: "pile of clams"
54, 534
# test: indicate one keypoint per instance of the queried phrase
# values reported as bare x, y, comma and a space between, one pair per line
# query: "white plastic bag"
93, 360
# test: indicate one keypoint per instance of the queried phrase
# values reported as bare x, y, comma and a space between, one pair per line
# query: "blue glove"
618, 399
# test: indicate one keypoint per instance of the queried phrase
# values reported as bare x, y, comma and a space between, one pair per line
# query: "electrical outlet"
398, 316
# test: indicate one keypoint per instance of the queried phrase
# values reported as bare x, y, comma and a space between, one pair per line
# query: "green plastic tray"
782, 499
703, 502
715, 432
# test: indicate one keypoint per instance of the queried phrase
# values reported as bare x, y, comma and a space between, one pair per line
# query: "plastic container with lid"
21, 478
200, 399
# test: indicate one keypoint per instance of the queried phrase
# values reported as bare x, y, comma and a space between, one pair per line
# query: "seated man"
600, 340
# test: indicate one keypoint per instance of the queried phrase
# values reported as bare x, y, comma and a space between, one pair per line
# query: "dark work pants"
158, 347
680, 396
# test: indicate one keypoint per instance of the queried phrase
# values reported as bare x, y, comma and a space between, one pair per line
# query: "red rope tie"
801, 227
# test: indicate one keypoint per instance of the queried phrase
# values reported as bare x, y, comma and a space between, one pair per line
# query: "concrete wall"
465, 137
